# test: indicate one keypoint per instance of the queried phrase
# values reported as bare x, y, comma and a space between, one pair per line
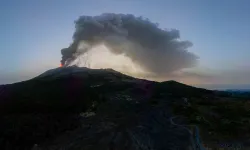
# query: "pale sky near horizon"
33, 32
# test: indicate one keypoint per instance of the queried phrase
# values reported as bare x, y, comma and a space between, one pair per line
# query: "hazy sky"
33, 32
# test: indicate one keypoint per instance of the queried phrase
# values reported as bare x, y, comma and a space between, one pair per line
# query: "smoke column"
156, 50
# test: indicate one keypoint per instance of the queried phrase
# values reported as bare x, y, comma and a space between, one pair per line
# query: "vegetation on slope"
220, 119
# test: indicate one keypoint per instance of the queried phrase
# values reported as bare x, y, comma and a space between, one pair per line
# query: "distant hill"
225, 86
181, 90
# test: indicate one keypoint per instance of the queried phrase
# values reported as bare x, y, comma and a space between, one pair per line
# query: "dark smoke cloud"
155, 50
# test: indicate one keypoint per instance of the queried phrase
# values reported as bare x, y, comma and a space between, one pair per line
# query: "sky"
32, 33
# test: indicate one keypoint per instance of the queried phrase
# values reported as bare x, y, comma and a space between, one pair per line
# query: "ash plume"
155, 50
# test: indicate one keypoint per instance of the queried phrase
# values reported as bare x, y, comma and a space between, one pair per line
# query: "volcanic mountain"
81, 108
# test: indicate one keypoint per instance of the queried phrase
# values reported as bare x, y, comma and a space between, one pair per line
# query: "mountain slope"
182, 90
81, 108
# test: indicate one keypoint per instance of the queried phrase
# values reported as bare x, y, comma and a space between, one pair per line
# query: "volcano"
81, 108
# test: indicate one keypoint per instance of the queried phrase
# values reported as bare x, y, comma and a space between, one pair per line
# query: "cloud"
235, 76
187, 77
157, 51
222, 79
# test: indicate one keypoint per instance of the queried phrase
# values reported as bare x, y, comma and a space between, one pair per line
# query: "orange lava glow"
61, 65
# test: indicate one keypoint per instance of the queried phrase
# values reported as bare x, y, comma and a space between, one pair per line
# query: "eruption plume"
155, 50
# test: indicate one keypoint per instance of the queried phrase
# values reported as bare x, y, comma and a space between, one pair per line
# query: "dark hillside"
177, 89
83, 108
